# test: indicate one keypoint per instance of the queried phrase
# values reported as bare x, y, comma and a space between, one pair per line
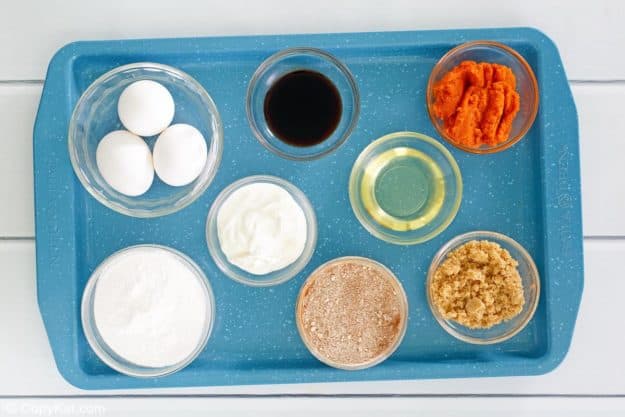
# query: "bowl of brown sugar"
352, 313
483, 287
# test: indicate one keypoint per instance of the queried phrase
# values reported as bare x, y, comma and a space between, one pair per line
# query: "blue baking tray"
530, 192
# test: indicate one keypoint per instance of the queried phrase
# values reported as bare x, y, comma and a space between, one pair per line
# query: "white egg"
125, 162
180, 153
146, 108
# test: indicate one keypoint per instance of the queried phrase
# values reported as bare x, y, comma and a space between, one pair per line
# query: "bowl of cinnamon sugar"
352, 313
482, 97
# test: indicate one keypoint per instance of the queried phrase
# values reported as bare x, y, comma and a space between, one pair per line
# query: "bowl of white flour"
147, 311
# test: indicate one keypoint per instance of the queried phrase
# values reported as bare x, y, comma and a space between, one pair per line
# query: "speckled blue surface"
530, 192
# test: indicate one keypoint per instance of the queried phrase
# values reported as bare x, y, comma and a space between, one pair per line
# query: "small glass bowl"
295, 59
434, 213
375, 361
531, 290
275, 277
498, 53
95, 115
108, 355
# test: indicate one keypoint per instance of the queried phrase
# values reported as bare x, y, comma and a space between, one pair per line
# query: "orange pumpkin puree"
477, 103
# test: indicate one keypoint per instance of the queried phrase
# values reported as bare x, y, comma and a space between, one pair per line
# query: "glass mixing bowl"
295, 59
275, 277
106, 353
531, 290
498, 53
95, 115
405, 188
382, 356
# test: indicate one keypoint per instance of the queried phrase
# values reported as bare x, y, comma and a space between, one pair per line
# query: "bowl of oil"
405, 188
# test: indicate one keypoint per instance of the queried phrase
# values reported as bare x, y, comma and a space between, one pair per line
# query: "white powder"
150, 308
261, 228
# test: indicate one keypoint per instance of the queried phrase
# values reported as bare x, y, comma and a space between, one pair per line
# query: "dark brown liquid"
303, 108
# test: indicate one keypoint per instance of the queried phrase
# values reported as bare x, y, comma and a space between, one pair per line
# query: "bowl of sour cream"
261, 230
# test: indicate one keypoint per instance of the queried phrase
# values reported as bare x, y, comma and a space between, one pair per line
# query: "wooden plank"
594, 365
18, 105
313, 407
602, 125
589, 34
25, 356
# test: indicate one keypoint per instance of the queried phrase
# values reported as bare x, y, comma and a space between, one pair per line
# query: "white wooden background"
591, 38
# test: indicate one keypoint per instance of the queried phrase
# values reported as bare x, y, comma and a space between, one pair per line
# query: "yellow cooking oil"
403, 189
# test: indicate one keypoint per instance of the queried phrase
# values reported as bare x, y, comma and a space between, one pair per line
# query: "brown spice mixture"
478, 285
351, 312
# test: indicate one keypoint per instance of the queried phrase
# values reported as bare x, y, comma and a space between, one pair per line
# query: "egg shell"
180, 153
125, 162
146, 108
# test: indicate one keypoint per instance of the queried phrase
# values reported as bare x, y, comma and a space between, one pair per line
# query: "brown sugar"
351, 312
478, 285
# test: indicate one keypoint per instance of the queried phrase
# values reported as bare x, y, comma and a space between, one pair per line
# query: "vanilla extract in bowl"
303, 108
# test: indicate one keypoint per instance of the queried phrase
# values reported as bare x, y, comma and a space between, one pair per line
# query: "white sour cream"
261, 228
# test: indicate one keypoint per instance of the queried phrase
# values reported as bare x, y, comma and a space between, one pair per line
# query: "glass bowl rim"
288, 52
215, 147
282, 275
353, 194
496, 237
392, 348
103, 352
507, 50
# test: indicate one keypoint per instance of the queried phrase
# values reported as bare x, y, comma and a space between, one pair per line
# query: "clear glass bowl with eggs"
132, 189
